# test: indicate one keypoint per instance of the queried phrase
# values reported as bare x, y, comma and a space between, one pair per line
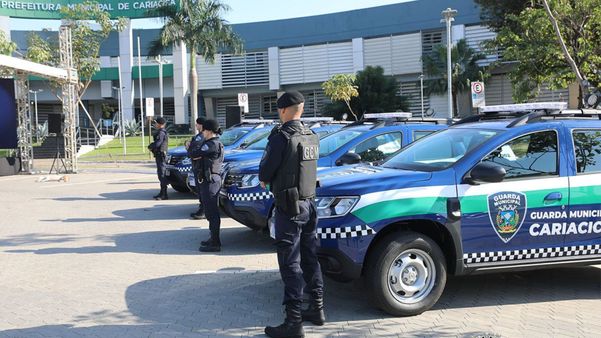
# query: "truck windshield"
333, 142
230, 136
260, 143
439, 151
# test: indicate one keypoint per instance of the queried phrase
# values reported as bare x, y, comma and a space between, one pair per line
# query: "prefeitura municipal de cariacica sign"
51, 9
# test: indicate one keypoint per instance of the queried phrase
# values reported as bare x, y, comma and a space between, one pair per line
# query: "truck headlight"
250, 181
334, 206
187, 161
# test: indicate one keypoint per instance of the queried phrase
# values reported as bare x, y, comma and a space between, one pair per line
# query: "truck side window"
531, 155
378, 147
587, 144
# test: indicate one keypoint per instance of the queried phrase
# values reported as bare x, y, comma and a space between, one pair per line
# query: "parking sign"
150, 106
243, 101
478, 99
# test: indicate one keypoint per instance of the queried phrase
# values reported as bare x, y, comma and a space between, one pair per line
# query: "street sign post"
243, 101
478, 98
150, 106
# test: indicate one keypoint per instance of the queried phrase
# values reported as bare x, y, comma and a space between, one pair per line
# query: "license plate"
192, 180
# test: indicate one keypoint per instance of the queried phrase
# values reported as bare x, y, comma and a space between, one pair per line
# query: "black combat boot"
314, 313
162, 194
211, 245
199, 214
292, 326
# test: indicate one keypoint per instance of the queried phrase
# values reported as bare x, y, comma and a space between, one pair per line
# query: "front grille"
232, 180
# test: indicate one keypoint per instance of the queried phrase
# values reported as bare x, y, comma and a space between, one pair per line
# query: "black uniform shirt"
195, 143
160, 139
274, 152
209, 149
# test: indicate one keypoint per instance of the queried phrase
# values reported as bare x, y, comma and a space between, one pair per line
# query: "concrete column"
358, 60
180, 84
106, 86
126, 61
209, 108
274, 68
5, 26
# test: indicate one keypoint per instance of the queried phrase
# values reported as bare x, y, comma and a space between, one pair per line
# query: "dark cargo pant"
209, 195
296, 242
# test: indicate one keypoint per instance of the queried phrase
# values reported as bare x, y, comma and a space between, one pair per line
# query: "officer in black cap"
210, 155
289, 166
159, 149
194, 145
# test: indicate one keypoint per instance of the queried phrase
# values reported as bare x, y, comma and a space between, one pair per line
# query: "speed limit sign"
478, 98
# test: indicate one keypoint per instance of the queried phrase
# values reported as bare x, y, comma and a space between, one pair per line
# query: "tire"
412, 285
180, 188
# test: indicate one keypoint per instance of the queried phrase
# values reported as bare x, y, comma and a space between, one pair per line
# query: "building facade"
297, 54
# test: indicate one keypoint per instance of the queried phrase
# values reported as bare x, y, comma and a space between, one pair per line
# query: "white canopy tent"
66, 75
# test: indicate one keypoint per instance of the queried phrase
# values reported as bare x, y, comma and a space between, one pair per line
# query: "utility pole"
421, 84
449, 16
161, 62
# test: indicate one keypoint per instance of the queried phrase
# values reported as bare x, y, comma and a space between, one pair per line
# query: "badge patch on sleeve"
507, 211
310, 153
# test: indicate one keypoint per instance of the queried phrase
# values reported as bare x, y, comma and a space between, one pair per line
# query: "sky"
243, 11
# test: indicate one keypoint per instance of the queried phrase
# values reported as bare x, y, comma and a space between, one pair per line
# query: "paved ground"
97, 257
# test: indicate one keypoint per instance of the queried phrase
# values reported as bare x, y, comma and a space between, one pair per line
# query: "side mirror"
486, 172
348, 158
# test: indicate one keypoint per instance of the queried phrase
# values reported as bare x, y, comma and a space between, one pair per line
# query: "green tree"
90, 27
532, 44
341, 87
496, 14
200, 25
464, 69
7, 47
378, 93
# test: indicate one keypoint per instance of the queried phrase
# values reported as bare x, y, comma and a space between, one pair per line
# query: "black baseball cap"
291, 98
160, 120
211, 125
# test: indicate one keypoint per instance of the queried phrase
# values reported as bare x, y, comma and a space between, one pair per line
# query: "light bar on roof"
524, 107
317, 119
581, 112
256, 121
388, 115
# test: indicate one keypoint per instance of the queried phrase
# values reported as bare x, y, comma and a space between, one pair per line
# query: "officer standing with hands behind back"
194, 144
159, 150
289, 166
210, 155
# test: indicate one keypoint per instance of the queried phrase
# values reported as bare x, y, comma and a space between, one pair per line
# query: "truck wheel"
180, 188
406, 274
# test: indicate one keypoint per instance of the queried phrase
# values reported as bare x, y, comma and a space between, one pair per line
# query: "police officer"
159, 149
210, 155
289, 166
194, 145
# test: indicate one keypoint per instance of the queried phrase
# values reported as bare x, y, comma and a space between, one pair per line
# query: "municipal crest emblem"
507, 211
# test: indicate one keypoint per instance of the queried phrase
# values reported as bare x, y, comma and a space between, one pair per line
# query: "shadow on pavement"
130, 195
156, 212
36, 239
227, 304
235, 241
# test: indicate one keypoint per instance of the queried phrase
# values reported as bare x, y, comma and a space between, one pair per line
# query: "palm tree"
200, 25
464, 66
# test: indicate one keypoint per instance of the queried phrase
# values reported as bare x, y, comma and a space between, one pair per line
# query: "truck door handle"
554, 196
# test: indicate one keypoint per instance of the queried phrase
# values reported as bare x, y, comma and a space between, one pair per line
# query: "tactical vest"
212, 165
165, 146
299, 165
